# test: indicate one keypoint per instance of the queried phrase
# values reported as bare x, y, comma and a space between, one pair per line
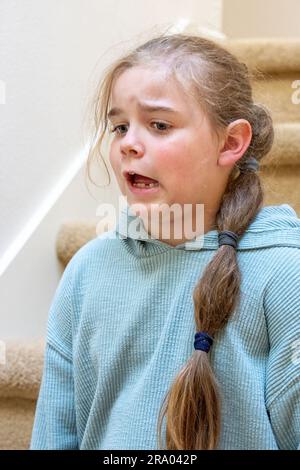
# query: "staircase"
276, 64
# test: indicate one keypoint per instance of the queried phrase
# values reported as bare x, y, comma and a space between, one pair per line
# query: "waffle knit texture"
121, 326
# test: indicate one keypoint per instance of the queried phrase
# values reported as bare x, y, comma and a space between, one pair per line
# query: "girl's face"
176, 147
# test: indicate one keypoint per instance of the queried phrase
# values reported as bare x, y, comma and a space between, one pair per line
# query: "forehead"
147, 83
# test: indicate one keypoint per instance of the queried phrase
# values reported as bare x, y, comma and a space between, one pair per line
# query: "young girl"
164, 342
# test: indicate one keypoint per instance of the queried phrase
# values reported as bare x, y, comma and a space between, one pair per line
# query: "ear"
237, 139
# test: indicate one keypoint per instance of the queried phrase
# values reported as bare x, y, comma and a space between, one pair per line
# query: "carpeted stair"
20, 376
277, 63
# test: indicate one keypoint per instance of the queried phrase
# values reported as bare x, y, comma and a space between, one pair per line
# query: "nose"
131, 145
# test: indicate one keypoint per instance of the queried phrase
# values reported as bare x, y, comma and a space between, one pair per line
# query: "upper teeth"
131, 172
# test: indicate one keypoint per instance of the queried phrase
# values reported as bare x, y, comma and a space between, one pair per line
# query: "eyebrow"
144, 107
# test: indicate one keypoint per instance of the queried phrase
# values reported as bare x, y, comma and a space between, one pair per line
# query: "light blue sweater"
121, 325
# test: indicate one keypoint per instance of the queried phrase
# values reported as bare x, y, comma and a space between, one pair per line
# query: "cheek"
114, 161
171, 156
175, 158
172, 168
184, 168
116, 168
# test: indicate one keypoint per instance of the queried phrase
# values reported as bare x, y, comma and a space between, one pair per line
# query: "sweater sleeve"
55, 418
282, 309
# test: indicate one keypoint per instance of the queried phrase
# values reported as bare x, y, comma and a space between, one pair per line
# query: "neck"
175, 229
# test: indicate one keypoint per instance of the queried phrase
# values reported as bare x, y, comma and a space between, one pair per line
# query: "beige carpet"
20, 377
279, 62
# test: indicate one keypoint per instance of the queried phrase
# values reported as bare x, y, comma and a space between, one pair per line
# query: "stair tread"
267, 54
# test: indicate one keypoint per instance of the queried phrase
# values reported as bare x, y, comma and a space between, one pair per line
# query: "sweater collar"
272, 226
131, 226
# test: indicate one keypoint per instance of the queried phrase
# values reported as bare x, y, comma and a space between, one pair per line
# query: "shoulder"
87, 264
282, 313
93, 249
281, 301
284, 263
282, 289
83, 268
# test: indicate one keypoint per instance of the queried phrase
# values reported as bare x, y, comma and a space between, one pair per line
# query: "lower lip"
142, 191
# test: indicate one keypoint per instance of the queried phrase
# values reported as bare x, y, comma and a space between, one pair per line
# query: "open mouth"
140, 181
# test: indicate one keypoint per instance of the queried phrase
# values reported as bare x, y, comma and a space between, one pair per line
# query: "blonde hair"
221, 85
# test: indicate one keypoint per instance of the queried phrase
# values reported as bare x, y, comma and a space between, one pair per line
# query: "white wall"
261, 18
51, 53
29, 282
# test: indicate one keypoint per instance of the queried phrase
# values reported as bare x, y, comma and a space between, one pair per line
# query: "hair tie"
227, 237
250, 164
203, 341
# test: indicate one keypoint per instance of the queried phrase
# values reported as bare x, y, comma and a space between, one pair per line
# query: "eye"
116, 129
166, 127
162, 127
